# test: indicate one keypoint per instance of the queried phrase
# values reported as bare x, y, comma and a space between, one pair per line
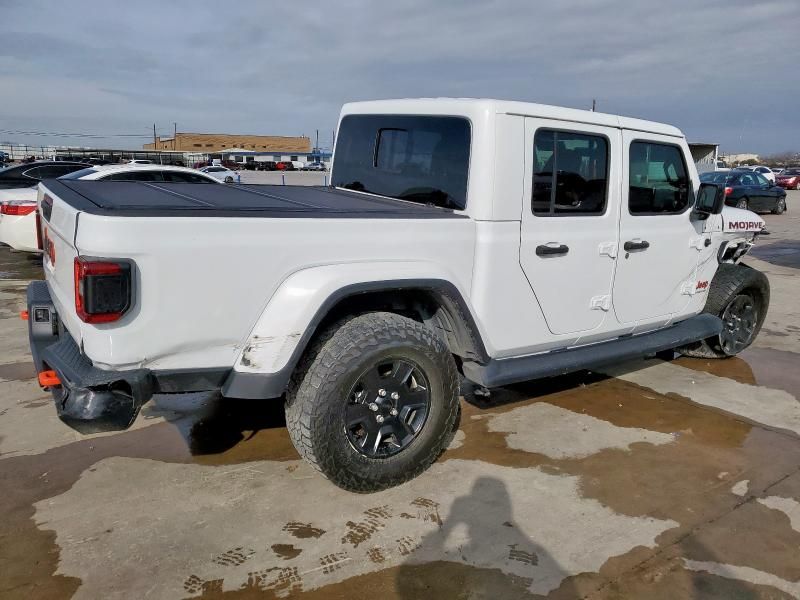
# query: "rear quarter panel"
202, 283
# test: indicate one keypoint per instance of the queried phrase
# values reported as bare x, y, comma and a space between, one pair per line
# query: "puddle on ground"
785, 253
20, 265
767, 367
17, 371
687, 480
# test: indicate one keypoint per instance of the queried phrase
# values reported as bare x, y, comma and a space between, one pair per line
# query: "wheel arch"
436, 301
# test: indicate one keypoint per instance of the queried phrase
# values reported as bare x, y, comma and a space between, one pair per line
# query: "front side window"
418, 158
658, 180
570, 173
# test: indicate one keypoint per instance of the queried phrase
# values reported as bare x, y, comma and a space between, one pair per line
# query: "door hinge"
688, 288
600, 303
609, 249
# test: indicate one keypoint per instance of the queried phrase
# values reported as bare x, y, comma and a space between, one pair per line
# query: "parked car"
250, 165
778, 171
17, 218
18, 200
285, 165
765, 171
749, 190
27, 175
789, 178
315, 166
140, 161
512, 267
221, 173
267, 165
231, 164
152, 173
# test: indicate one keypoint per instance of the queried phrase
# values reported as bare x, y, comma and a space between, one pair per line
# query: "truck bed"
143, 199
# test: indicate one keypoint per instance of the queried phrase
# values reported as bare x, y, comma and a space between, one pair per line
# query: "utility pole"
316, 147
174, 134
154, 136
594, 104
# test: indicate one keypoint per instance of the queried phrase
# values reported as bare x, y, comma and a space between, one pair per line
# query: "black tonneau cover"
143, 199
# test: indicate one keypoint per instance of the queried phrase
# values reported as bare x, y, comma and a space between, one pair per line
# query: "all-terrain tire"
318, 395
731, 282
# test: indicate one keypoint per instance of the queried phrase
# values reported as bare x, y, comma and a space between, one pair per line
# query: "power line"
76, 135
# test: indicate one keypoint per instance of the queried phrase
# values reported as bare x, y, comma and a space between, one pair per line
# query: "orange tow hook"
49, 379
24, 315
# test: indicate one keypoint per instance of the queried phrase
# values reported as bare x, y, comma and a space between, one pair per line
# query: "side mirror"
710, 200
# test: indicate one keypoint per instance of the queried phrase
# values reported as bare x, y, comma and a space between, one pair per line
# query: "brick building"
215, 142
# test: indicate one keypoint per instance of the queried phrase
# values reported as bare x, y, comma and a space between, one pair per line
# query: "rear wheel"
229, 179
739, 296
797, 187
780, 206
742, 203
374, 401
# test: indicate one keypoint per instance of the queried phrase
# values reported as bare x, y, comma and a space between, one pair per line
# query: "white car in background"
221, 173
765, 171
18, 206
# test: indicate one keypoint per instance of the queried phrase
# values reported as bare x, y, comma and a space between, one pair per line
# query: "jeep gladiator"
487, 240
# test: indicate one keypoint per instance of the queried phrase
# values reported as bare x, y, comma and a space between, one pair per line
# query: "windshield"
422, 159
78, 174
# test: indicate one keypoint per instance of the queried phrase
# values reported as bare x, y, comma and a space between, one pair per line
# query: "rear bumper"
90, 399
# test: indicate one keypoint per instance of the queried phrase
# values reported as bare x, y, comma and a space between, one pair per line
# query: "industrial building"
217, 142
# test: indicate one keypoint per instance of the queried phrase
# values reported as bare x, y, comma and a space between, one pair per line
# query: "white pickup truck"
490, 240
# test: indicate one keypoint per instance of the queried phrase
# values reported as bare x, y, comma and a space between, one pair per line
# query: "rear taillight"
39, 242
102, 289
728, 191
17, 209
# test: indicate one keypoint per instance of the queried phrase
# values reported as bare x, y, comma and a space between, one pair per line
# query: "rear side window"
658, 181
181, 177
135, 176
418, 158
570, 173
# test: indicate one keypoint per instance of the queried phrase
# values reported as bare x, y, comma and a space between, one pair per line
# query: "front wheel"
229, 179
742, 203
780, 206
374, 401
739, 296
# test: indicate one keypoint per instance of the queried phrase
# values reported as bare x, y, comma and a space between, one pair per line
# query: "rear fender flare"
303, 300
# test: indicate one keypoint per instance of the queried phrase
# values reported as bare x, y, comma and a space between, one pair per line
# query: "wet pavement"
653, 479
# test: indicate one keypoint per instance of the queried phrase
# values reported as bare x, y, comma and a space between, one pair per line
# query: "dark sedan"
789, 179
29, 174
749, 190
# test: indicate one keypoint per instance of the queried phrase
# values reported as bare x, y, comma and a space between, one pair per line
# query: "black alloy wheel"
387, 407
739, 322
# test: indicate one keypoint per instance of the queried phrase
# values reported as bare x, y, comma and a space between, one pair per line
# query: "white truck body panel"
239, 292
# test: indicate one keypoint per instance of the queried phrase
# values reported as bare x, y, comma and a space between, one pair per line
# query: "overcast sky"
724, 71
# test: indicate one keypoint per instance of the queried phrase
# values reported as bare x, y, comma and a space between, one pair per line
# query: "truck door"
658, 254
569, 221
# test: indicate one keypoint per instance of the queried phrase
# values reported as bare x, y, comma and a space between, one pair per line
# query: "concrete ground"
653, 480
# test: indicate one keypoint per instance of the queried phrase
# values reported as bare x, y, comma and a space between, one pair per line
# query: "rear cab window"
422, 159
570, 173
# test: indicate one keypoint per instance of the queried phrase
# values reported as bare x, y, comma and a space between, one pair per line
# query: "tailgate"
59, 222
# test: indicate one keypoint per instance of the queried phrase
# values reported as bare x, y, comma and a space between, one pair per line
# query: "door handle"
547, 250
636, 245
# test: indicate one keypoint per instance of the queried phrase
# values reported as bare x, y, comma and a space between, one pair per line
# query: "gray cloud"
722, 70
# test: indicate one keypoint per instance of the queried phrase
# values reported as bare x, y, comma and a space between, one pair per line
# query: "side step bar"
500, 372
